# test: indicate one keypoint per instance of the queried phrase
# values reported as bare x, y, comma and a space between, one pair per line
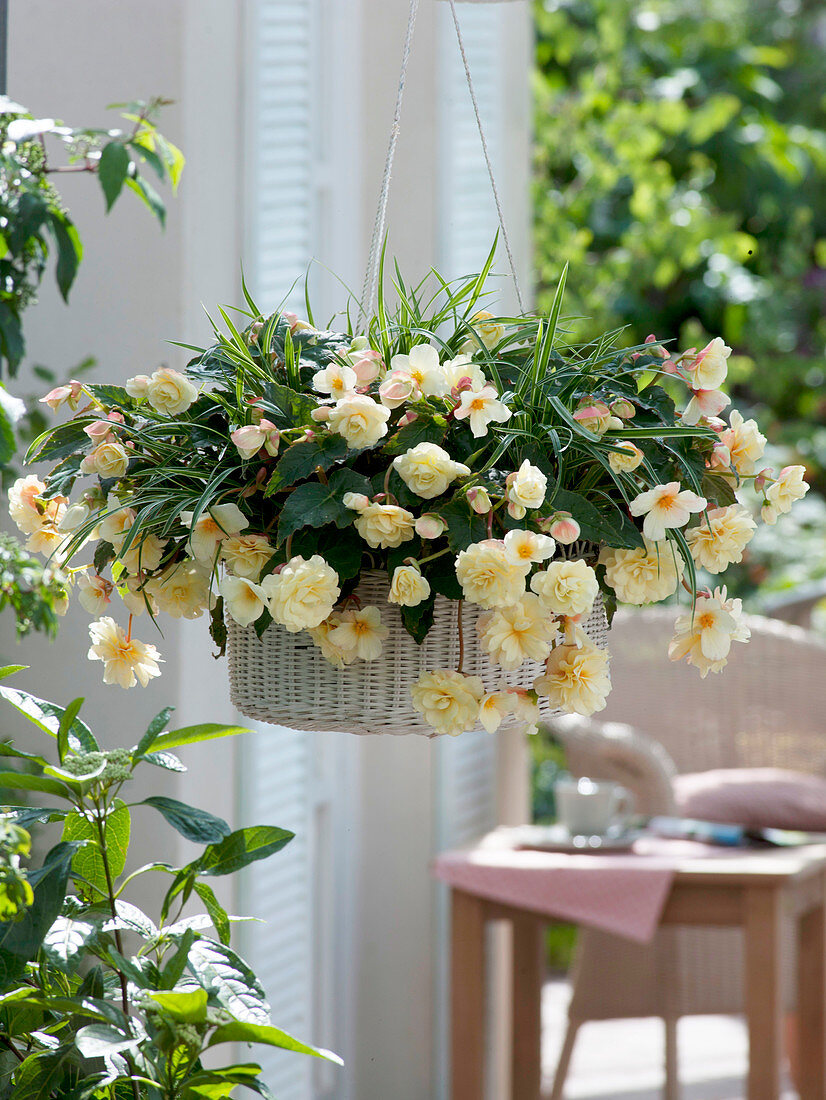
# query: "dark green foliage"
301, 459
680, 164
316, 505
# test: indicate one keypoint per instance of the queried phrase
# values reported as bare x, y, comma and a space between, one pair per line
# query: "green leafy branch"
34, 221
80, 1013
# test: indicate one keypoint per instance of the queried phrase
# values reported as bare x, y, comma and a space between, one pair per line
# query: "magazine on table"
729, 836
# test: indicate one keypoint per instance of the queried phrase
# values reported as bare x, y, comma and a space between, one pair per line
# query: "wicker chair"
765, 710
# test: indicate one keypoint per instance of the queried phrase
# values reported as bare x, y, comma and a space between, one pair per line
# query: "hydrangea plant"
477, 457
98, 999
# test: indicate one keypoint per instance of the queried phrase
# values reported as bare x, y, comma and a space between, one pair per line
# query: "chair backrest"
767, 708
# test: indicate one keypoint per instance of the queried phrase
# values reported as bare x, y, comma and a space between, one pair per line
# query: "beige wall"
138, 288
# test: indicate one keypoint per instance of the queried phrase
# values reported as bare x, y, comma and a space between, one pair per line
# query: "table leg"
528, 972
467, 997
763, 992
811, 1009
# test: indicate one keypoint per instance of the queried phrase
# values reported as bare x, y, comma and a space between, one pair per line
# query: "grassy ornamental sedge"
484, 458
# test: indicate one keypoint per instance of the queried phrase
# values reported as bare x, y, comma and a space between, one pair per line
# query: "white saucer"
556, 838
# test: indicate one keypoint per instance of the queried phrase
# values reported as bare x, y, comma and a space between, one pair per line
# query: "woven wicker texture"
283, 678
766, 709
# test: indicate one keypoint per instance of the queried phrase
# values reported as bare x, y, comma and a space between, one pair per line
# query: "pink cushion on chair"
759, 798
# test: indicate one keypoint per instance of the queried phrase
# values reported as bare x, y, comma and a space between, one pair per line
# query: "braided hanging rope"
483, 140
371, 275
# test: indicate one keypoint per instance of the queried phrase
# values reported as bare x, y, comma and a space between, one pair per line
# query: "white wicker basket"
283, 678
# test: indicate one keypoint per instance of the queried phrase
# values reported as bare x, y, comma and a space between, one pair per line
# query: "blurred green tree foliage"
680, 170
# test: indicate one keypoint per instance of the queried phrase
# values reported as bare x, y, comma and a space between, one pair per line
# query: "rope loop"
371, 275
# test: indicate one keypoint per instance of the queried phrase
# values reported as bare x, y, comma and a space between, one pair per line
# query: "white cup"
588, 807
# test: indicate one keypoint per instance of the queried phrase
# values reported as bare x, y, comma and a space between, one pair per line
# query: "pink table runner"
620, 892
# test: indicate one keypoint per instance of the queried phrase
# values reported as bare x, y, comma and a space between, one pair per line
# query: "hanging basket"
283, 678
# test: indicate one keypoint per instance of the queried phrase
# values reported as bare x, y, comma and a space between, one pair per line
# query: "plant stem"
104, 855
432, 557
9, 1045
71, 168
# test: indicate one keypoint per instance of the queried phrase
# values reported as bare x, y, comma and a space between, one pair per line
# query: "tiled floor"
623, 1059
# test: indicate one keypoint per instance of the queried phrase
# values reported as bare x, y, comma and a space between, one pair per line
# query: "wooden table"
755, 891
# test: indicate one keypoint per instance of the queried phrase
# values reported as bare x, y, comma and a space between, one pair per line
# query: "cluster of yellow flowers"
540, 625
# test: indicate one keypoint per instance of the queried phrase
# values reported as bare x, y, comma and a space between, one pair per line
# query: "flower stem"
387, 492
432, 557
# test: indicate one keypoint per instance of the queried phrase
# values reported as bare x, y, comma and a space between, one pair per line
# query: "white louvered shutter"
467, 801
280, 207
276, 780
467, 789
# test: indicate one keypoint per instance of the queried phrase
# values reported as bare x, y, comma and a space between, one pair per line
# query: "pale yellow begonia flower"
487, 330
494, 709
449, 701
783, 492
244, 599
303, 593
115, 525
704, 403
481, 407
744, 442
522, 632
94, 593
488, 576
644, 574
27, 507
125, 659
169, 392
408, 587
427, 469
136, 597
422, 366
144, 554
385, 525
360, 631
321, 636
720, 538
359, 419
337, 380
528, 547
246, 555
704, 636
107, 460
182, 590
709, 367
218, 522
464, 367
665, 506
528, 486
627, 459
566, 587
576, 680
